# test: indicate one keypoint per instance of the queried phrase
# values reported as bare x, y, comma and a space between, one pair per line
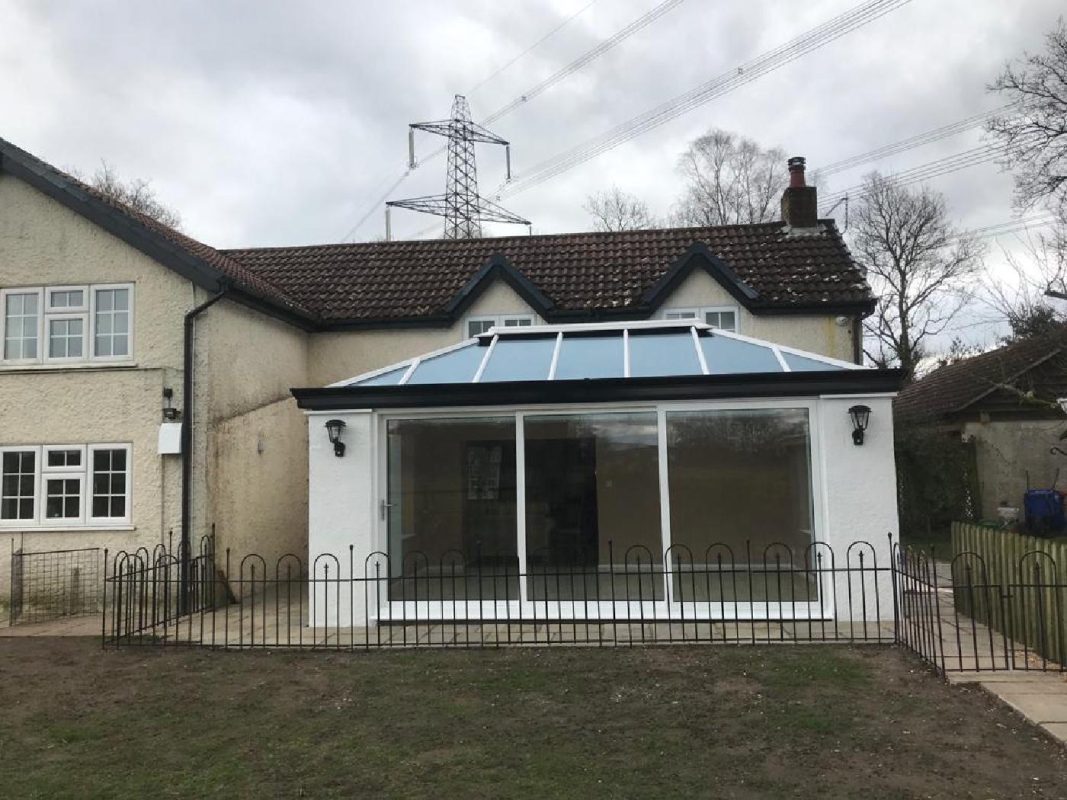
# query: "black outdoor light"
861, 415
334, 429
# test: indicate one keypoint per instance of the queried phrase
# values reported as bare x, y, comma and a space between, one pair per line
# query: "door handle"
382, 506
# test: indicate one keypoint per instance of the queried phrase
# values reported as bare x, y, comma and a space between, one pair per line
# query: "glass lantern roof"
629, 350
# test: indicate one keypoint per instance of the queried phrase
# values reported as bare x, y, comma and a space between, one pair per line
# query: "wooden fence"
1015, 584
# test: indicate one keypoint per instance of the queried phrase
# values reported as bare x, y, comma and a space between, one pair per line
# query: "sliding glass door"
584, 513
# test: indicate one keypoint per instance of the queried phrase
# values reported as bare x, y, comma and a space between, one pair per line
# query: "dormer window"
59, 325
722, 317
478, 325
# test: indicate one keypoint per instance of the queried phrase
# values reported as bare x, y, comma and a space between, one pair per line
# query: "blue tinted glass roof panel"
726, 356
660, 354
582, 357
801, 364
519, 360
457, 366
390, 378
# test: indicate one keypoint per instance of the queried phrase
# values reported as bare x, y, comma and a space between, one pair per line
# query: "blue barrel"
1044, 510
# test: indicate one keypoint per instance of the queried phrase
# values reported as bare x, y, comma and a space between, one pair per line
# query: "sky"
283, 123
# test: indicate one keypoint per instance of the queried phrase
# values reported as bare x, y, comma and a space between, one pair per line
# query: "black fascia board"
604, 390
36, 173
498, 266
699, 256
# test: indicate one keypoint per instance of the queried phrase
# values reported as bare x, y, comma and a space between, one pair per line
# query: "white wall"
341, 513
860, 496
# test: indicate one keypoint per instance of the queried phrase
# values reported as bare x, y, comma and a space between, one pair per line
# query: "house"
1003, 404
116, 328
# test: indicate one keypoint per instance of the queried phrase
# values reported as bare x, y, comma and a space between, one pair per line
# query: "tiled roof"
956, 387
579, 272
586, 274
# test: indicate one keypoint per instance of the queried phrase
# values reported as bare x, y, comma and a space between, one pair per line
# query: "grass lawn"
808, 721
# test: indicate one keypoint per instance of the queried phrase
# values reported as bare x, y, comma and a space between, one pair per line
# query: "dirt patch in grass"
732, 722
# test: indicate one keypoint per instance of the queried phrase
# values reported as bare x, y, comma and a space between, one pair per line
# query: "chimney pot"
800, 208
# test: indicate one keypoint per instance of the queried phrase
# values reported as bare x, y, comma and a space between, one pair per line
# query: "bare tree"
729, 180
1034, 128
616, 210
919, 266
135, 193
1022, 297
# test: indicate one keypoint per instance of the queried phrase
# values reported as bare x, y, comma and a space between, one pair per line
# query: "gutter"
187, 442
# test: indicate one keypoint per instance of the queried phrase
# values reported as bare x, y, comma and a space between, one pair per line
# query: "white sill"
63, 366
64, 528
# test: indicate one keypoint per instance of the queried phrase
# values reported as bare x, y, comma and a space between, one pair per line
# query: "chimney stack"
800, 204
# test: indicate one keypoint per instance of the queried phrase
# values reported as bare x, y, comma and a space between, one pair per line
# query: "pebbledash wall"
855, 498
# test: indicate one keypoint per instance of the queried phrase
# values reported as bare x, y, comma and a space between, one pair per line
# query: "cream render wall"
253, 456
44, 243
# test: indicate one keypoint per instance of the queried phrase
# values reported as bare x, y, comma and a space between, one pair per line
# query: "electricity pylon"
461, 205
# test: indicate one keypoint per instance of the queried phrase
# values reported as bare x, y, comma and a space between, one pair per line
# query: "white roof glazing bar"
625, 353
485, 359
555, 356
700, 351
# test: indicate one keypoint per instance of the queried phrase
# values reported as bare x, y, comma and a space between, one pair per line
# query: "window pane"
20, 330
452, 528
680, 315
517, 322
109, 483
62, 498
516, 359
112, 321
740, 484
653, 354
727, 320
64, 458
17, 485
592, 507
457, 366
478, 327
590, 357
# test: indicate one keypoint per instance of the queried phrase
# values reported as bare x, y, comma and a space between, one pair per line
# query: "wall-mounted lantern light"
1062, 401
861, 415
170, 413
334, 429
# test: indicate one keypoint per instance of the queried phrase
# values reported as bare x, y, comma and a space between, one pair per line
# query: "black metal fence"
49, 585
773, 595
963, 614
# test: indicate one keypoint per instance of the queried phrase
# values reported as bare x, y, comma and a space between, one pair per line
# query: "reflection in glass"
451, 509
740, 494
592, 507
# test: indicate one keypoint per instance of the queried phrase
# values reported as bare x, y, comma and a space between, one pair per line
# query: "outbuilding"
653, 469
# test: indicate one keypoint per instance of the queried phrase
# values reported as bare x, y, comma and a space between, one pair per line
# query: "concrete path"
67, 626
1041, 697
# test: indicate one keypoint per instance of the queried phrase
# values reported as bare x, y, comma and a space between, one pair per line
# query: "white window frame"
90, 450
4, 294
86, 313
84, 474
667, 608
498, 321
699, 313
92, 356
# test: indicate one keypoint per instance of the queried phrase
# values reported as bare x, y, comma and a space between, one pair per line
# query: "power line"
982, 154
727, 82
583, 60
927, 137
534, 46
